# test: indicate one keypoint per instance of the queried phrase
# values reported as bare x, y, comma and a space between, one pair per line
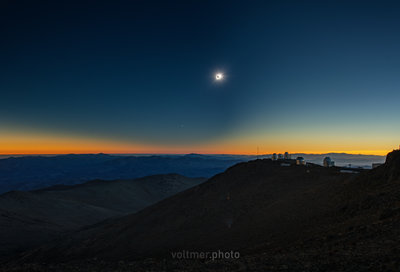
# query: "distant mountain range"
251, 203
33, 217
34, 172
280, 217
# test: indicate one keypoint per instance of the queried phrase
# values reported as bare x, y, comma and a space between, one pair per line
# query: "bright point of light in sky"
219, 76
291, 56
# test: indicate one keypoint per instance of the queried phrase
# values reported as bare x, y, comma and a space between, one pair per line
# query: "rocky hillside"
31, 218
249, 204
280, 218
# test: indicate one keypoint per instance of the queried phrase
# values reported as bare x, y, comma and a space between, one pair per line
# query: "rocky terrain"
280, 218
31, 218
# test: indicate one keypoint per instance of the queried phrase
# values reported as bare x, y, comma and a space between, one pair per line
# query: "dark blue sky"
142, 71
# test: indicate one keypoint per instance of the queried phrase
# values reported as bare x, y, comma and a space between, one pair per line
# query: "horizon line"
178, 153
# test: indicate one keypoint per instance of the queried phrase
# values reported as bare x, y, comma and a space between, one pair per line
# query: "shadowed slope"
251, 203
30, 218
280, 219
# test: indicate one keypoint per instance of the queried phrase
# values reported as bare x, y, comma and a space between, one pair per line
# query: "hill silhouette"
291, 218
28, 219
249, 203
36, 172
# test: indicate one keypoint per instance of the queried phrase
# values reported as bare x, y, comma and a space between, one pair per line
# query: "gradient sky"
137, 76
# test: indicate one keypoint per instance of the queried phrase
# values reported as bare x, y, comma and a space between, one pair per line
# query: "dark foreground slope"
279, 218
248, 204
30, 218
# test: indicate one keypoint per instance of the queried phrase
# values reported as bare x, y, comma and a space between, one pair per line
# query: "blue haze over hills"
35, 172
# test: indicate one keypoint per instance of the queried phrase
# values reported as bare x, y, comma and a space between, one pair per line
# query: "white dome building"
287, 156
300, 161
327, 162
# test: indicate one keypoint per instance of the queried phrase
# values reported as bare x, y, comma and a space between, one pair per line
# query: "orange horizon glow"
167, 150
23, 143
178, 151
189, 152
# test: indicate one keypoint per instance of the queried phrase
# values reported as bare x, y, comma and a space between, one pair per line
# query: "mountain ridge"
30, 173
28, 218
305, 217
